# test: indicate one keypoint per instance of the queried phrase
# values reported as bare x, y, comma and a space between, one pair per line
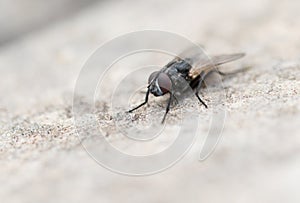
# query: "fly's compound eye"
152, 76
164, 82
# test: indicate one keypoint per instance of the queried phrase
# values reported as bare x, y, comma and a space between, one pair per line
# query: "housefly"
190, 68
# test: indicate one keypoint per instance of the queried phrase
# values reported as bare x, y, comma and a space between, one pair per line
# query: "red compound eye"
164, 82
152, 76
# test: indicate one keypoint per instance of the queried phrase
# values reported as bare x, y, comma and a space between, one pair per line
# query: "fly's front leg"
168, 107
142, 104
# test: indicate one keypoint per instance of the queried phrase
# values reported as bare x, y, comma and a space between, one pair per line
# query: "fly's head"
159, 83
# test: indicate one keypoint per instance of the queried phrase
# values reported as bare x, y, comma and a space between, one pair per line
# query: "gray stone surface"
257, 159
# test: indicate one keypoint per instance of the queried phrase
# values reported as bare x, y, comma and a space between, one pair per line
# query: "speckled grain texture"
257, 159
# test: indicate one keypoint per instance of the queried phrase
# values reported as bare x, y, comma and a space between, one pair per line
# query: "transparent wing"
206, 64
221, 59
195, 56
200, 62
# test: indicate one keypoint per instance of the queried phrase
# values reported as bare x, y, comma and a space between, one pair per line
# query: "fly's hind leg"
241, 70
198, 89
201, 101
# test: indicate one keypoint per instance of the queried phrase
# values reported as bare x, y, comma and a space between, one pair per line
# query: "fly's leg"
168, 107
198, 89
233, 72
202, 102
203, 76
224, 74
142, 104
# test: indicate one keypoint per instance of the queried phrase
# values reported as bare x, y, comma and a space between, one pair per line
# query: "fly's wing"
204, 64
194, 56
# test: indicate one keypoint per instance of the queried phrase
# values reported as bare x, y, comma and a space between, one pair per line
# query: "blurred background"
43, 46
20, 18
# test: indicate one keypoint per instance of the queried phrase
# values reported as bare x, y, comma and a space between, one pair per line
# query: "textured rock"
257, 158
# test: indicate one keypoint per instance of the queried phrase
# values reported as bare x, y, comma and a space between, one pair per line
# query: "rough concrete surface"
257, 158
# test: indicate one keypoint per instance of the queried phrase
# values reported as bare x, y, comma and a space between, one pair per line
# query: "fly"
192, 67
